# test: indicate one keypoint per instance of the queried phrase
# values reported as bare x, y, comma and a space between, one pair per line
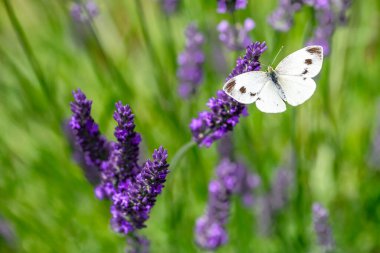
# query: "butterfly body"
290, 81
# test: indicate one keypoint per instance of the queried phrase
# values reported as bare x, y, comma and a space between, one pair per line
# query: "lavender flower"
282, 18
132, 189
84, 12
133, 201
210, 231
94, 146
231, 5
232, 178
225, 112
169, 6
322, 227
250, 61
235, 37
137, 244
190, 62
330, 14
128, 140
7, 236
91, 172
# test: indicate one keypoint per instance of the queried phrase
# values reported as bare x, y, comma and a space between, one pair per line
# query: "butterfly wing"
297, 89
269, 99
245, 87
306, 62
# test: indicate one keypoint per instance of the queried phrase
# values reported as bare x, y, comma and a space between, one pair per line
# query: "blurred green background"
129, 54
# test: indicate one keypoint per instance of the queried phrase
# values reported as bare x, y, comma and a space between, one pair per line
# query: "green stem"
180, 153
27, 49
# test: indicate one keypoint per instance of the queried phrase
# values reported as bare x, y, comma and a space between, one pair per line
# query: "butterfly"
290, 81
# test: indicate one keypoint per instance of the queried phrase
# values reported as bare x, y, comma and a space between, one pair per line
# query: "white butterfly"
291, 81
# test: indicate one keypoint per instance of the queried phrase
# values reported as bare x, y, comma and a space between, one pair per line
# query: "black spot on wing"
230, 86
243, 90
315, 50
252, 94
308, 61
305, 72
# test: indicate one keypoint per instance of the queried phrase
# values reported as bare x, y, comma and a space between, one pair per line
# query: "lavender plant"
235, 37
231, 5
132, 189
225, 112
322, 228
330, 14
190, 61
84, 12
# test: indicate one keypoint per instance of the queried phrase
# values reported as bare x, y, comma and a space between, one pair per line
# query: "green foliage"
51, 206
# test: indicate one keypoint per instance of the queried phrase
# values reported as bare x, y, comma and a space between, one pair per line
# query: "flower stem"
28, 50
180, 153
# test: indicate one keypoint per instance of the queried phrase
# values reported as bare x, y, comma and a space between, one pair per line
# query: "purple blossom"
250, 61
94, 146
133, 189
282, 18
190, 72
231, 5
133, 200
91, 172
224, 111
232, 178
84, 12
330, 14
7, 236
235, 37
169, 6
322, 227
128, 140
374, 157
137, 244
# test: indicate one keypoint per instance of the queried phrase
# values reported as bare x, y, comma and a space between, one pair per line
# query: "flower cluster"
330, 14
224, 111
231, 5
282, 18
84, 12
232, 178
169, 6
322, 227
94, 146
190, 62
133, 189
235, 37
134, 199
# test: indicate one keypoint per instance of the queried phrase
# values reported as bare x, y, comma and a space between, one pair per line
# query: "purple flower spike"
224, 111
133, 201
232, 178
322, 227
190, 72
282, 18
169, 6
231, 5
224, 115
128, 140
94, 146
250, 61
329, 16
84, 12
137, 244
235, 37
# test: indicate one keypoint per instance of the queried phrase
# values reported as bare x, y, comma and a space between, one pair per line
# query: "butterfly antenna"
277, 55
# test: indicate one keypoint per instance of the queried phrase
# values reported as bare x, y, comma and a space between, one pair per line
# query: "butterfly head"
270, 69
